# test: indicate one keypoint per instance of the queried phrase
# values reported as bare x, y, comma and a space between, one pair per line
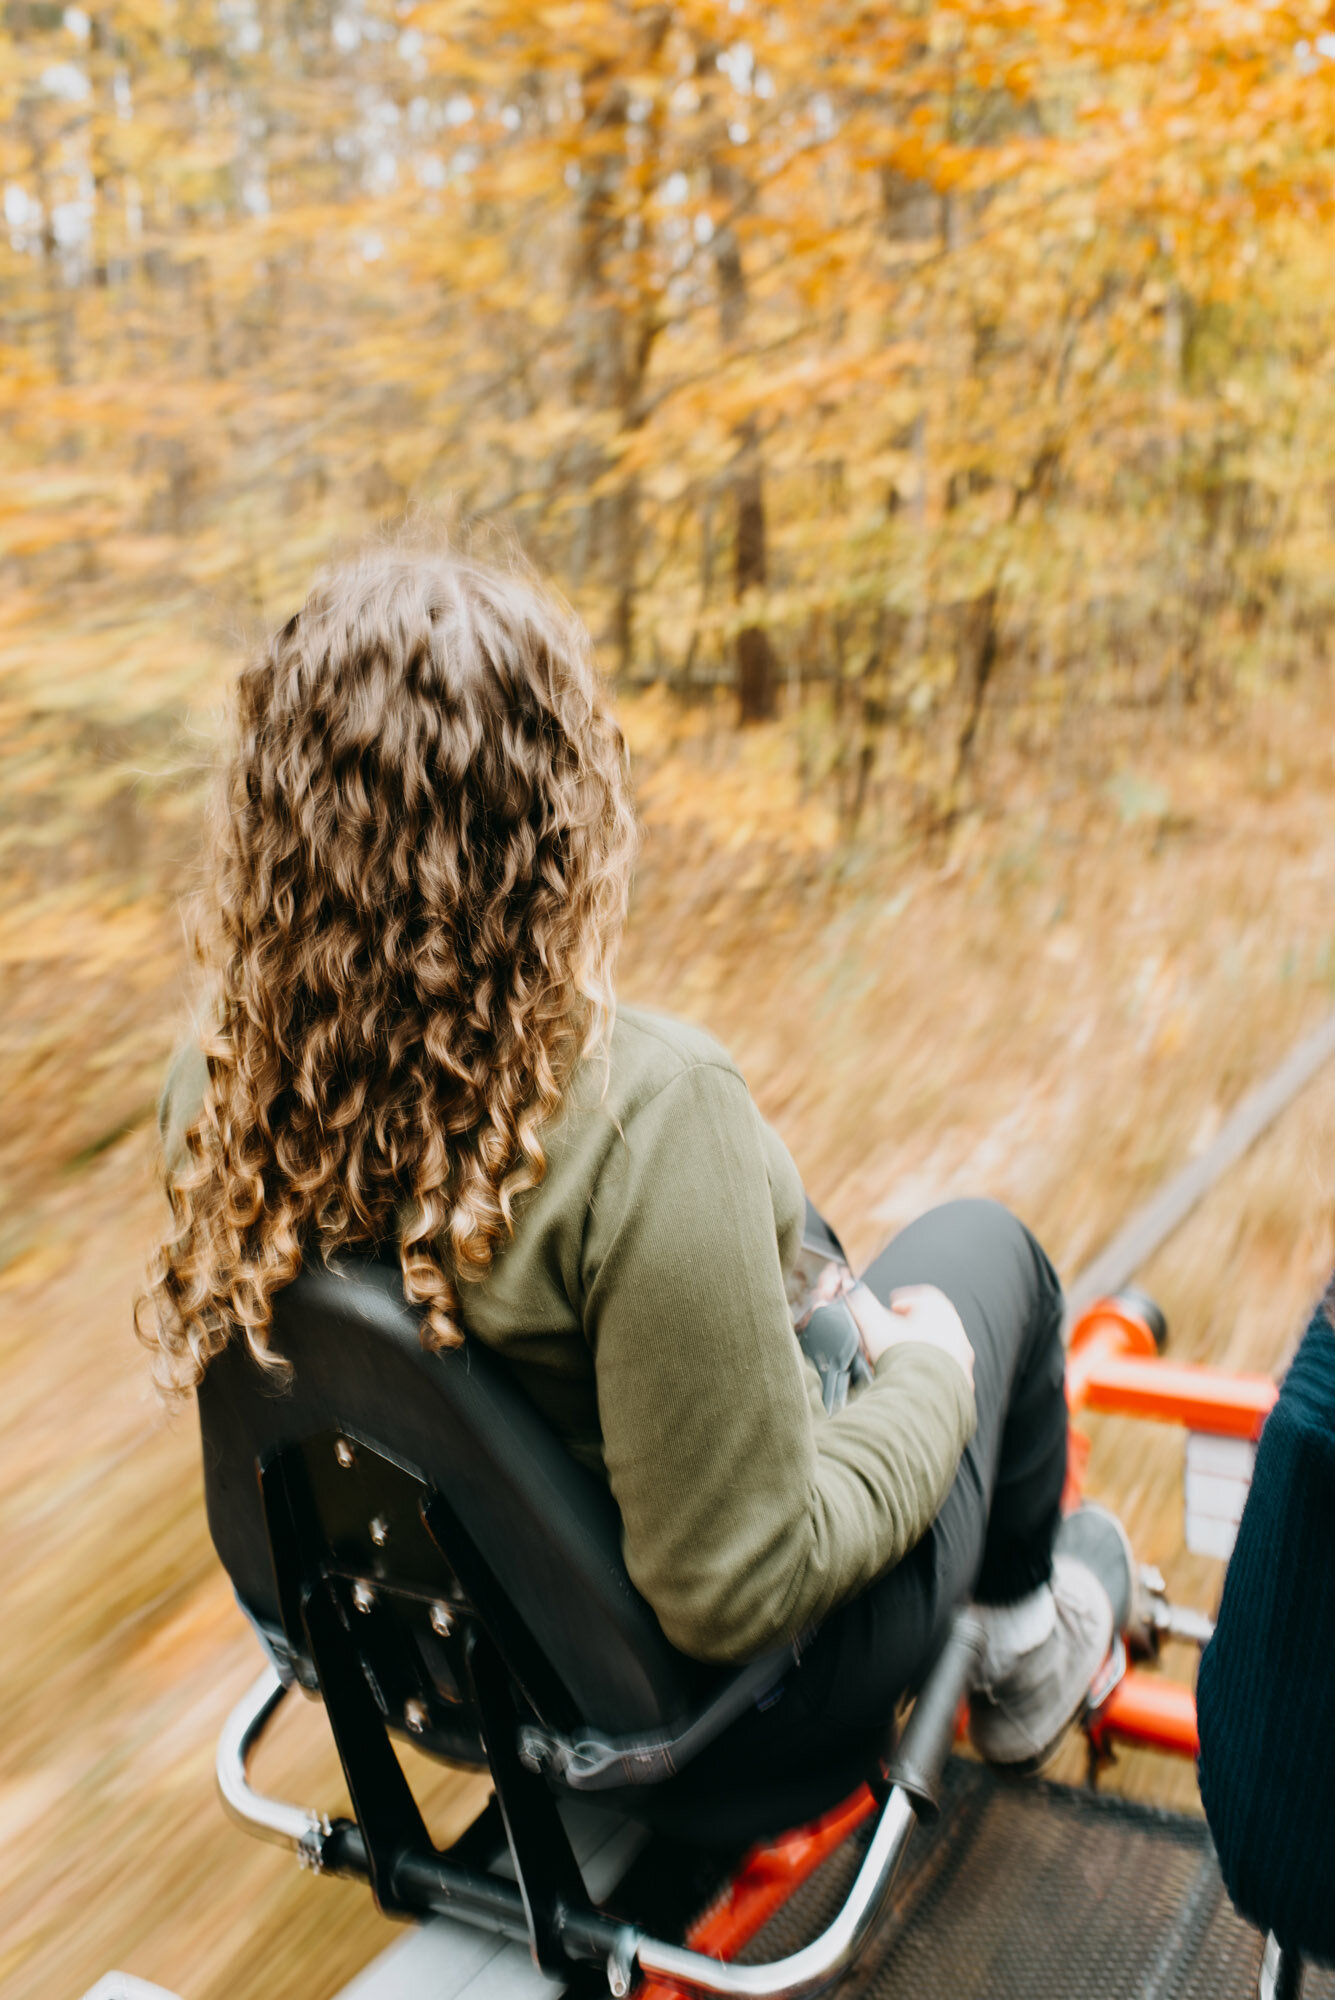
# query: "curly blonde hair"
420, 884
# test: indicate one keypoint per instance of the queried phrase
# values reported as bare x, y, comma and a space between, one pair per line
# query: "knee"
995, 1228
985, 1260
1001, 1250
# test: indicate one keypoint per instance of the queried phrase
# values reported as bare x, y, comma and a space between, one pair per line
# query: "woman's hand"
915, 1313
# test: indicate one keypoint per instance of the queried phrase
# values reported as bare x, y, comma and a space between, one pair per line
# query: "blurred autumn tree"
917, 371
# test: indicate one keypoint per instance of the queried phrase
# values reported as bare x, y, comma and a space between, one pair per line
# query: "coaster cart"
417, 1550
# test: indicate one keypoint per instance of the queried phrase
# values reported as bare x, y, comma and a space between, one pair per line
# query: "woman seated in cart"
419, 888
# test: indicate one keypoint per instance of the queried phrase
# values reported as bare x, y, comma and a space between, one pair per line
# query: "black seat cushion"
547, 1529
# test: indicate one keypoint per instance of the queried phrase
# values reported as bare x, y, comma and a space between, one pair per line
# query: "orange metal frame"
1113, 1369
766, 1879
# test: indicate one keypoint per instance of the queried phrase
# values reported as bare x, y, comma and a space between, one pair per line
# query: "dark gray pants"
830, 1723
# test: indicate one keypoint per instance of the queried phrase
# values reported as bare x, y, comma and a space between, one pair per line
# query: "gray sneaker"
1094, 1536
1021, 1722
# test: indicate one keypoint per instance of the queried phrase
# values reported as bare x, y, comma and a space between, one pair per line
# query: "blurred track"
1165, 1212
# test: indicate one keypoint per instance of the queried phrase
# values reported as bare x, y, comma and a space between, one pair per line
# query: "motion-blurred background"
932, 409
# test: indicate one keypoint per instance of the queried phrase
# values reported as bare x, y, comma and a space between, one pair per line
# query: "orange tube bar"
767, 1878
770, 1875
1172, 1392
1146, 1709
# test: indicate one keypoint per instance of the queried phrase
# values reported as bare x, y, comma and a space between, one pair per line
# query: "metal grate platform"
1042, 1892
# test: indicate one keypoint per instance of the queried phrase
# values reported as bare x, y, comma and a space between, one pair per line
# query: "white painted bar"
1221, 1457
1217, 1477
1214, 1498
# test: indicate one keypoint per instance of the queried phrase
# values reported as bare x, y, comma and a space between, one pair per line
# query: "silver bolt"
414, 1714
363, 1596
442, 1624
380, 1531
345, 1454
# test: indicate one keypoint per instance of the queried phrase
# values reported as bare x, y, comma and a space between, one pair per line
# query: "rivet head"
345, 1454
363, 1596
414, 1714
380, 1531
442, 1624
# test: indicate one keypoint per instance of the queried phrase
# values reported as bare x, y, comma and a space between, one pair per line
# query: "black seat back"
431, 1481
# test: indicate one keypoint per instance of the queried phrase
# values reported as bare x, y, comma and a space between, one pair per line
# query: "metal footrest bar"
431, 1884
1281, 1976
335, 1846
818, 1964
297, 1827
917, 1768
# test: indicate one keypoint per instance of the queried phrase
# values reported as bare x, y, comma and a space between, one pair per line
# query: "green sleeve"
746, 1515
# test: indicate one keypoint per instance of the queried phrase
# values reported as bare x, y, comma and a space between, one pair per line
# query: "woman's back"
532, 1305
641, 1302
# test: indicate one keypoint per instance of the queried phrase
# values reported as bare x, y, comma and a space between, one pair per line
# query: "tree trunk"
757, 674
978, 644
757, 667
617, 318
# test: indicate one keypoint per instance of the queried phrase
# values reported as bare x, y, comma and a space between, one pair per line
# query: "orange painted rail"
1174, 1392
1114, 1368
1147, 1710
763, 1884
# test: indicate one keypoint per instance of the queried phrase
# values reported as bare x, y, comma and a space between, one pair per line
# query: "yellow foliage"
977, 355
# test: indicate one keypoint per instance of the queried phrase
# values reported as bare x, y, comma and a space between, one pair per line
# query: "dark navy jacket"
1266, 1692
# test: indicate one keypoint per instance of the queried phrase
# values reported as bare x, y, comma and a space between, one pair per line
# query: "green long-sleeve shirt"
641, 1304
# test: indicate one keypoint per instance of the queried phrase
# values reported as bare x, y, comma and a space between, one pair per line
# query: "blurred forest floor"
1055, 1004
947, 391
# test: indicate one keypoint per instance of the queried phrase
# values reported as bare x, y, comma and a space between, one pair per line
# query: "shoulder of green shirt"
651, 1049
648, 1051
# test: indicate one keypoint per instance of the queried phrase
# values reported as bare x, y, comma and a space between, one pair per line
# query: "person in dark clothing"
1266, 1692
